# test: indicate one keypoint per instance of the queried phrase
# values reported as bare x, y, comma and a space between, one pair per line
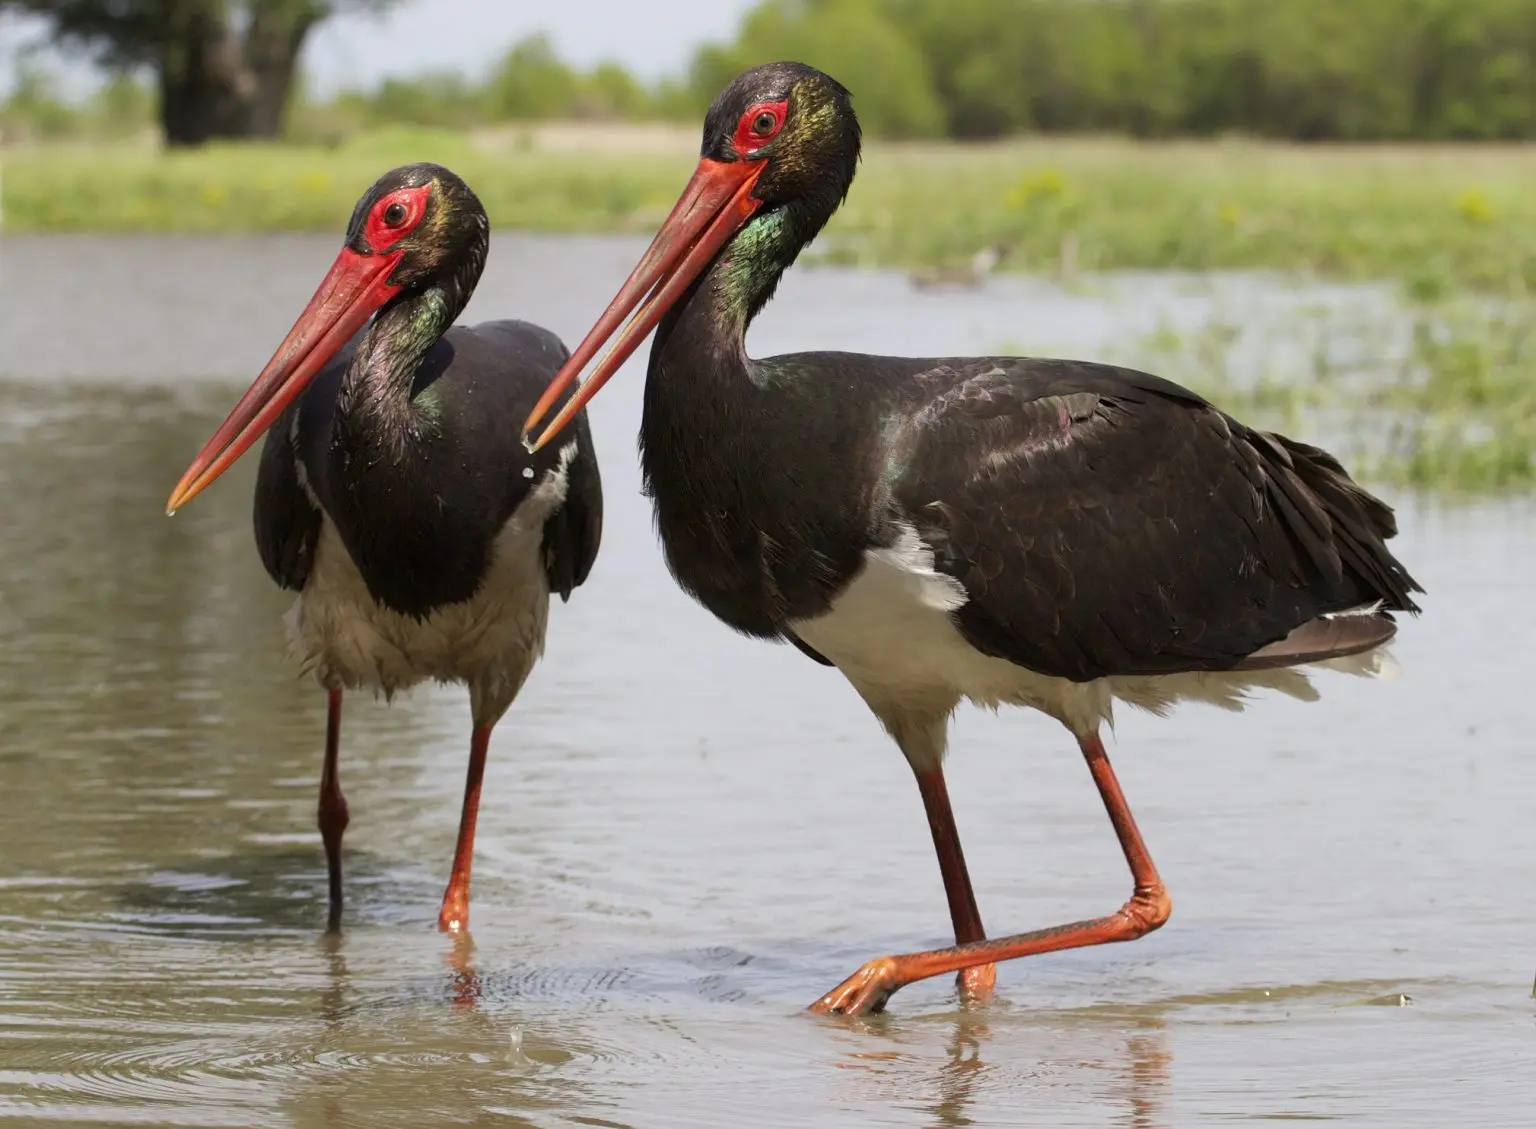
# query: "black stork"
423, 538
1047, 533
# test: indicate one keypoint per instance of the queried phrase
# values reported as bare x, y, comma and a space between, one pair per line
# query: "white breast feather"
489, 641
892, 634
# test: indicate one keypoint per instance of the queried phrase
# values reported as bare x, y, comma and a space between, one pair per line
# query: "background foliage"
1307, 70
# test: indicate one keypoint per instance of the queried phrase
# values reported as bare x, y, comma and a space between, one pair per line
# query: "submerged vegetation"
1442, 400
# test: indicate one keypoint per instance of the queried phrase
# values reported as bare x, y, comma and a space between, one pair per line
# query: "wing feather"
287, 522
1104, 522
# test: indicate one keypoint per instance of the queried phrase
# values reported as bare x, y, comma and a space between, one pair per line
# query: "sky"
651, 38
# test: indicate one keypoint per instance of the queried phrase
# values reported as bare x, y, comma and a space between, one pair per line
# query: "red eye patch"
393, 217
758, 126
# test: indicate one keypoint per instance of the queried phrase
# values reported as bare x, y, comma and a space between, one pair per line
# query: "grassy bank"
1440, 218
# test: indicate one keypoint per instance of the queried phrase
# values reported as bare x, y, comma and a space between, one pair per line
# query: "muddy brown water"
687, 836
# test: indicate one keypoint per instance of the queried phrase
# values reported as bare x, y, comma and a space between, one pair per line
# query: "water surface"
687, 836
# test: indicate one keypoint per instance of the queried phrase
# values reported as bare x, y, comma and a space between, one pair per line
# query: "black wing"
572, 533
287, 522
1104, 521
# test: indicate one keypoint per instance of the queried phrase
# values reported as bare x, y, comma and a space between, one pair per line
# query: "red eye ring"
759, 125
395, 216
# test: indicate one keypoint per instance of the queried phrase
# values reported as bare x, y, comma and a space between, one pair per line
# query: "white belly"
892, 634
490, 641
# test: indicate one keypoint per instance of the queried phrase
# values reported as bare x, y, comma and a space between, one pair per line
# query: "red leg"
454, 916
978, 981
333, 806
1149, 906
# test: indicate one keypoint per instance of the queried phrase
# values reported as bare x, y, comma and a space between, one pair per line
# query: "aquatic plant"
1439, 397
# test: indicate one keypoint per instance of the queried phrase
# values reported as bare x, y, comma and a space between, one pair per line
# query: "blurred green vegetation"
531, 83
252, 187
1465, 407
1300, 69
857, 42
1306, 70
35, 111
1439, 218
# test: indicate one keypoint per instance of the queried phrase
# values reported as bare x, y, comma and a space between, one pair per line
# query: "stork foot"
863, 993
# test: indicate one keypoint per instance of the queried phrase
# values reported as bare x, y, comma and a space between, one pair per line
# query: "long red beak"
354, 287
717, 201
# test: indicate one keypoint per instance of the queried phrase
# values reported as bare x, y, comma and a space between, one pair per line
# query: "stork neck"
708, 327
384, 369
381, 380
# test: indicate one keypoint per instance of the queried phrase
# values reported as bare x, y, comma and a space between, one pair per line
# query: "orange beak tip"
715, 204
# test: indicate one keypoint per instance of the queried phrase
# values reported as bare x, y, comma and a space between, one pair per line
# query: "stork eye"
759, 125
394, 215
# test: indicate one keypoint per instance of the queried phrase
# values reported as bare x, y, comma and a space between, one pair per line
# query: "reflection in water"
333, 1000
977, 1069
674, 818
1149, 1067
466, 981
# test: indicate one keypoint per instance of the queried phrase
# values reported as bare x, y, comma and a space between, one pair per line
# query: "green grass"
262, 188
1437, 218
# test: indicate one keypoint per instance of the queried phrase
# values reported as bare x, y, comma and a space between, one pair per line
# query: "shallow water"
687, 836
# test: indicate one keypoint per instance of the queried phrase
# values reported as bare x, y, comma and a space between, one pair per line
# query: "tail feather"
1325, 640
1361, 524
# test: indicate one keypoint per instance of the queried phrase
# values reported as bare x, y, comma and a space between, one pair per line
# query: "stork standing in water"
423, 538
1046, 533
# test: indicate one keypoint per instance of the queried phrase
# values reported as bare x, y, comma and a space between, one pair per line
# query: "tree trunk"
216, 82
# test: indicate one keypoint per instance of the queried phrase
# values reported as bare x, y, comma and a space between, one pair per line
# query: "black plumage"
1103, 521
420, 528
1049, 533
1106, 522
423, 537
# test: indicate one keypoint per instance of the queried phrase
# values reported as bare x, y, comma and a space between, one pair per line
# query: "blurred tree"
610, 91
224, 68
1303, 69
34, 110
444, 100
852, 40
122, 107
532, 83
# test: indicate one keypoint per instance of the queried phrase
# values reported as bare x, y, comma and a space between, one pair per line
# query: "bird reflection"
333, 1001
465, 990
1147, 1078
1123, 1070
958, 1077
